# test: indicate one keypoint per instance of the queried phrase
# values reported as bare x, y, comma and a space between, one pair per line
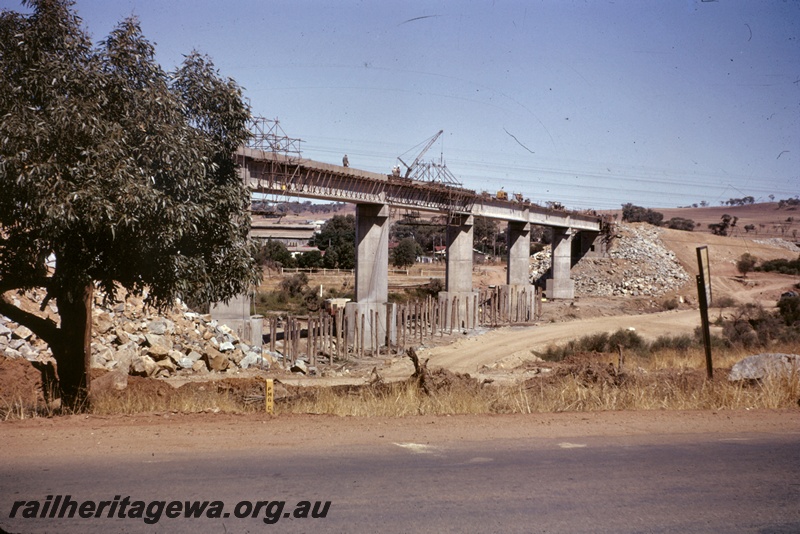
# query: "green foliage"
294, 285
681, 343
601, 342
746, 263
789, 310
724, 225
120, 170
274, 254
293, 296
782, 266
670, 304
627, 339
789, 203
740, 201
486, 235
406, 252
426, 235
631, 213
337, 239
724, 302
752, 326
310, 260
679, 223
431, 289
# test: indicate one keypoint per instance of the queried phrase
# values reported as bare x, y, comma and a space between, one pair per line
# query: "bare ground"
499, 354
27, 440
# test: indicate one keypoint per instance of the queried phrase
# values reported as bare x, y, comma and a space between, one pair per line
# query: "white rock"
22, 332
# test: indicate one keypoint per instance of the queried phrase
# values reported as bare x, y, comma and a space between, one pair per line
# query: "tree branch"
11, 283
44, 328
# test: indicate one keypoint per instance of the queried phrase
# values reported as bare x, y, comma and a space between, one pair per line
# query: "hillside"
768, 219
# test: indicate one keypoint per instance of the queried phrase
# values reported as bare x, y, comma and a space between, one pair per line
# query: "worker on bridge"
345, 161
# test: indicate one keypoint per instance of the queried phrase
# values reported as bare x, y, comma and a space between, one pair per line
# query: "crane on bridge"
430, 171
415, 163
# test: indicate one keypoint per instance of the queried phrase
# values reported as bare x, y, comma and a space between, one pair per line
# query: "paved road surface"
695, 483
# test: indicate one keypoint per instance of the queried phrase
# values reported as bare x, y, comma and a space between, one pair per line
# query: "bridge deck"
272, 173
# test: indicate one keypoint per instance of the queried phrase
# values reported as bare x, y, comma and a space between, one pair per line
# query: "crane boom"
428, 145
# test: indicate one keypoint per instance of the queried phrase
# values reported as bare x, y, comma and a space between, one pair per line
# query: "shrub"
631, 213
294, 285
627, 339
274, 254
739, 332
746, 263
681, 343
679, 223
670, 304
406, 252
781, 266
724, 301
789, 310
594, 343
310, 260
753, 326
312, 302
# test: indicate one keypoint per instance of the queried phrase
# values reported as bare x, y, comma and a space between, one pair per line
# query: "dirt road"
470, 354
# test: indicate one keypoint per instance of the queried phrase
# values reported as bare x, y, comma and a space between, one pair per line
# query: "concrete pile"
638, 264
131, 339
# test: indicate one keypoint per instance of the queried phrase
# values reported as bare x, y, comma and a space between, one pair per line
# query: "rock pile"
638, 264
778, 242
130, 339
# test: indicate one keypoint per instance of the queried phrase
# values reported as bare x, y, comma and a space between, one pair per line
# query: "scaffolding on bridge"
267, 135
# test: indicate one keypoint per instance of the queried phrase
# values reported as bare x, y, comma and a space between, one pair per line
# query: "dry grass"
670, 380
679, 391
667, 380
146, 396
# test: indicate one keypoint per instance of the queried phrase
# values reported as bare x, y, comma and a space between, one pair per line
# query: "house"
294, 235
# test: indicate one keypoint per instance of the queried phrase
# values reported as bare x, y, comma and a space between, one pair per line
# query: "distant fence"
413, 273
323, 338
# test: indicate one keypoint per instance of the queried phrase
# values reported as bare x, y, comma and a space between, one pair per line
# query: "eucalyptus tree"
118, 171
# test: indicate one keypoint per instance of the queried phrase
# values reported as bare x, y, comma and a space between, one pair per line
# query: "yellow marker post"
269, 396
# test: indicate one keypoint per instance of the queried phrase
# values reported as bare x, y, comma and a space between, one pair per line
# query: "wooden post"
361, 344
704, 297
420, 325
372, 330
475, 317
269, 396
295, 340
326, 336
273, 329
454, 317
345, 337
388, 330
339, 336
308, 340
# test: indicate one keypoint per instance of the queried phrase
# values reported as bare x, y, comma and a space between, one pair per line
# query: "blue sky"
593, 104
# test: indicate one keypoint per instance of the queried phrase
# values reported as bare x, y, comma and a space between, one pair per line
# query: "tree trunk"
74, 351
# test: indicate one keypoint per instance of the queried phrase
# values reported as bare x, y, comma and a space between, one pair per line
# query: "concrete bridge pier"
371, 278
459, 302
559, 285
521, 293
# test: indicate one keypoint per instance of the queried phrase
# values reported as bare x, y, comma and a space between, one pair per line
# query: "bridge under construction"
271, 172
